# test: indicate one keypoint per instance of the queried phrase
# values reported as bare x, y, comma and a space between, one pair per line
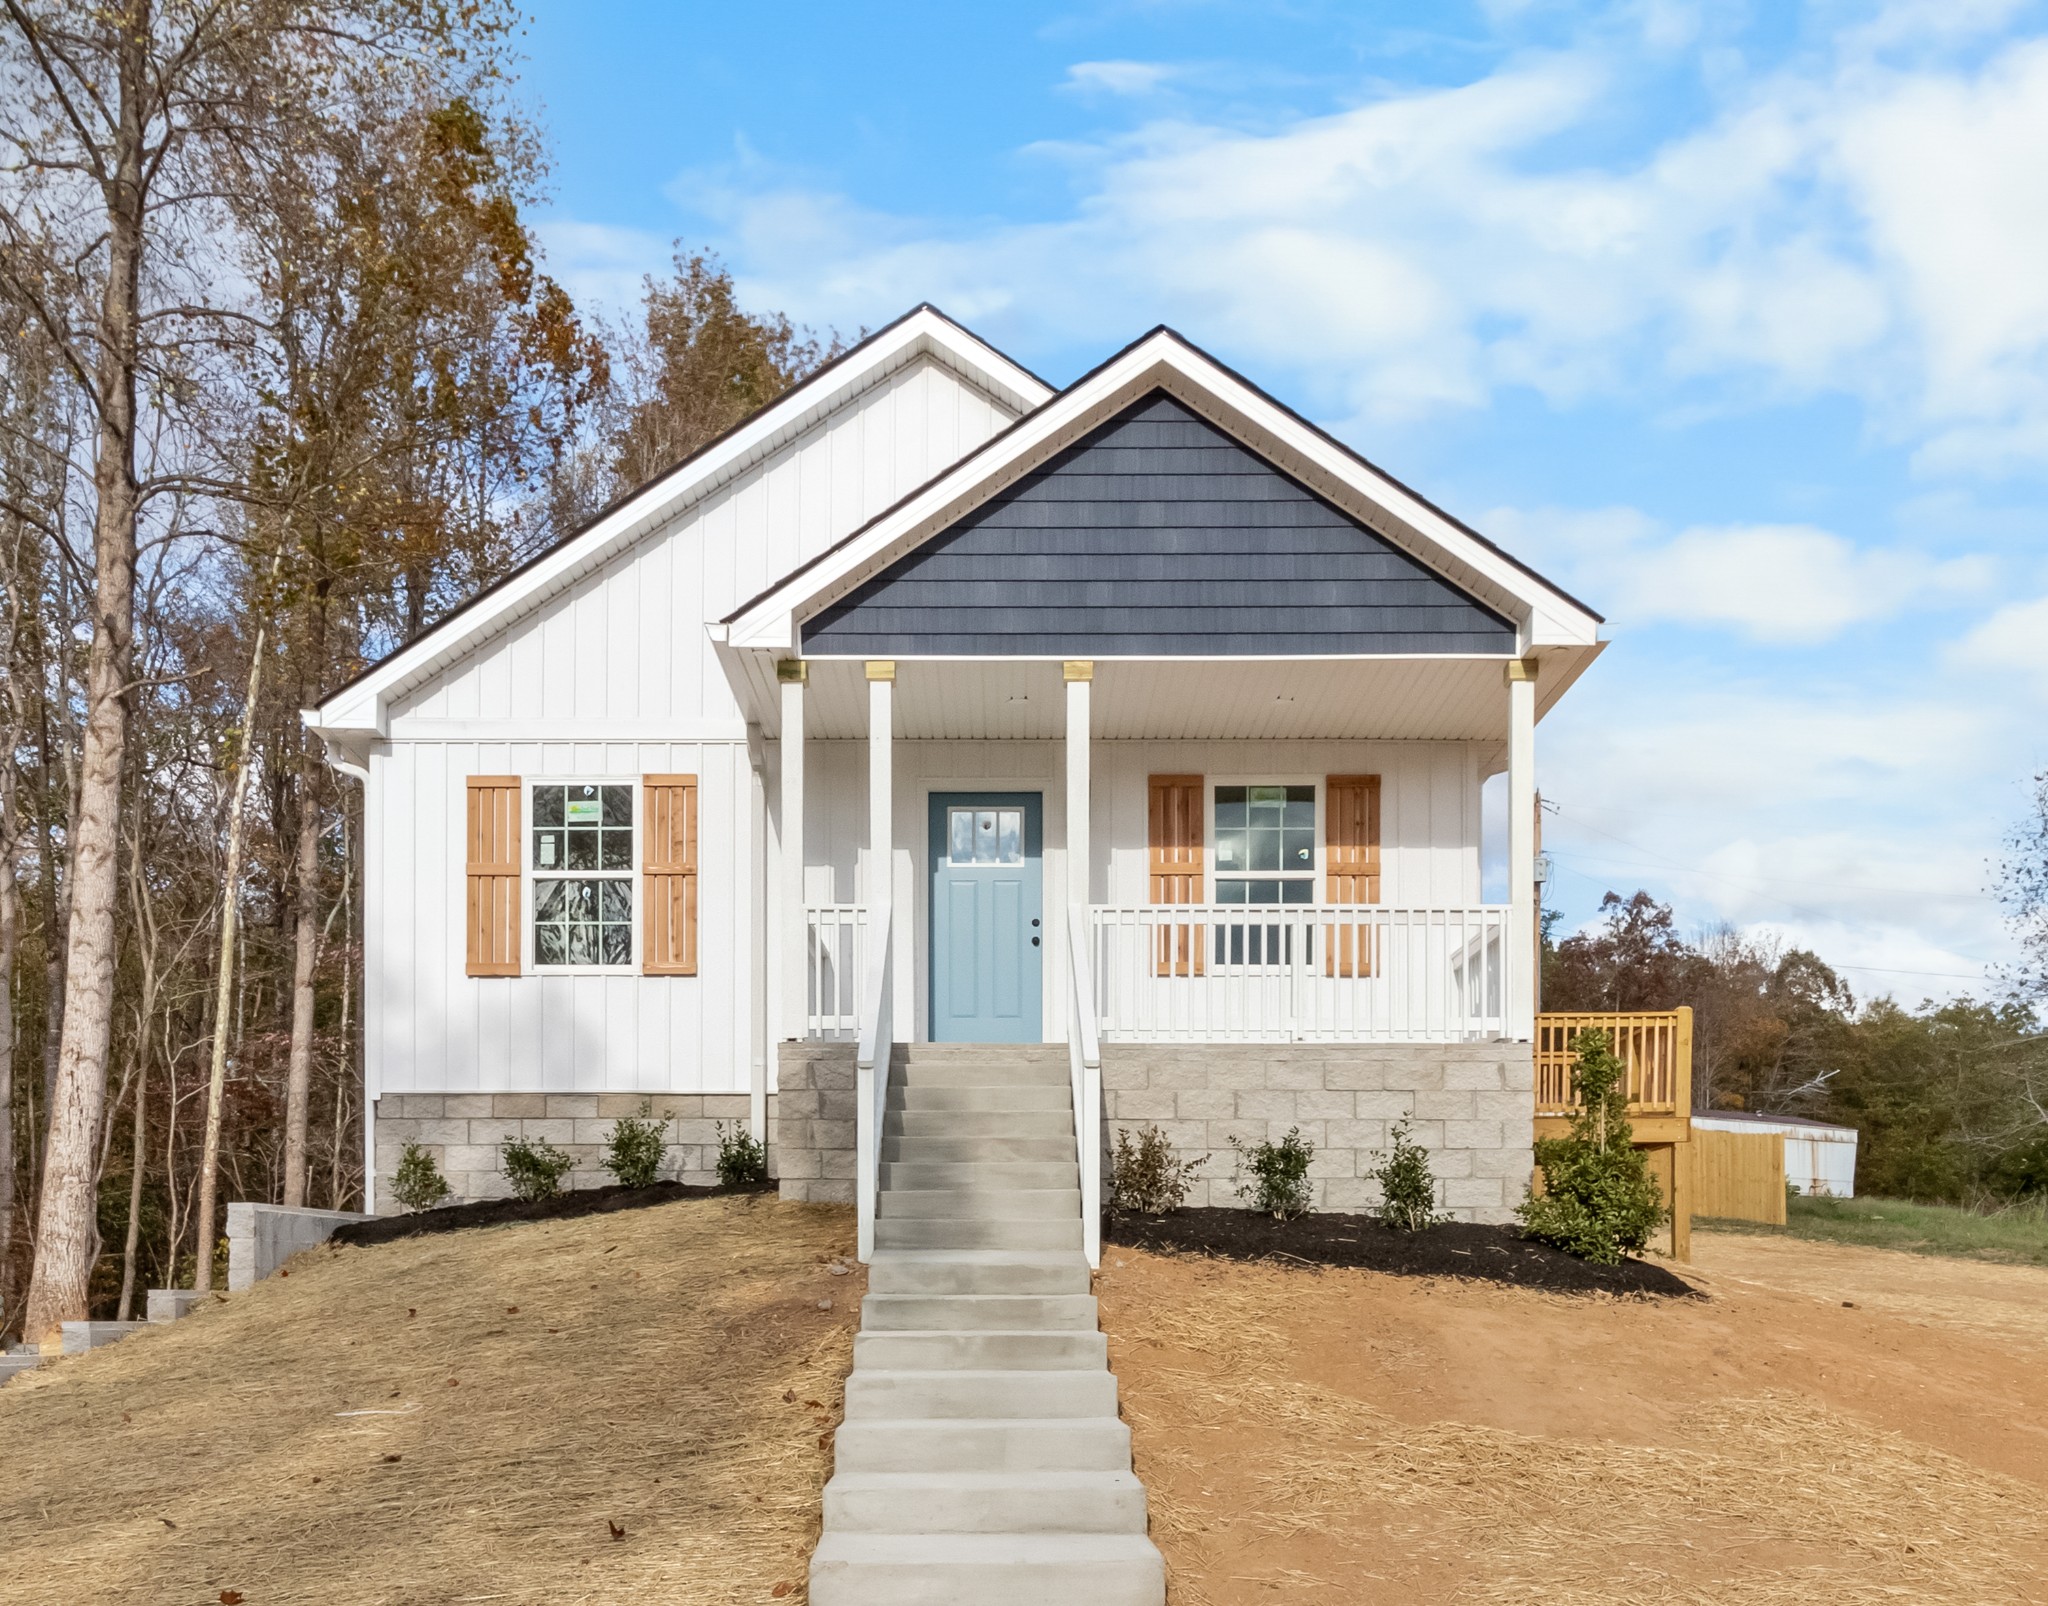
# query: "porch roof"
1433, 698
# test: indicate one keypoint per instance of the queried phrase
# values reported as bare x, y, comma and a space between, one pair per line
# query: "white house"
932, 705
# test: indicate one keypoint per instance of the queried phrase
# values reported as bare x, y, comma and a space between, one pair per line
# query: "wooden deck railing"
1656, 1048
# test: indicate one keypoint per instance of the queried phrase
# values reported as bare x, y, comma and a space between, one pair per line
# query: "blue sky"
1733, 318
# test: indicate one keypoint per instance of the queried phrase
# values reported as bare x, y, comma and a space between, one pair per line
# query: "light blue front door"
987, 917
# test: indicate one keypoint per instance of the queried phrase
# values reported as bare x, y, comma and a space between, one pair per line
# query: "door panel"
987, 908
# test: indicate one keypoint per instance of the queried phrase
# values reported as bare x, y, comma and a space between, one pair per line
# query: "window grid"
582, 863
1265, 844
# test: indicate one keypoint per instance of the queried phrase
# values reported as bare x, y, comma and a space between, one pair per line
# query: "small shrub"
419, 1184
1147, 1176
1599, 1201
1278, 1183
1407, 1189
741, 1159
535, 1170
634, 1154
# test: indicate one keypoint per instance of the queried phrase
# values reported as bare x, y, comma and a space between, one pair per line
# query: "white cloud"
2015, 638
1858, 820
601, 266
1133, 78
1856, 225
1782, 583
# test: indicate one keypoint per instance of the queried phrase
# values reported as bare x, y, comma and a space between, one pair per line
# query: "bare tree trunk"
209, 1159
138, 1154
10, 937
67, 1236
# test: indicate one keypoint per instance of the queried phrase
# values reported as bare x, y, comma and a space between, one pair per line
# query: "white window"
582, 863
1265, 844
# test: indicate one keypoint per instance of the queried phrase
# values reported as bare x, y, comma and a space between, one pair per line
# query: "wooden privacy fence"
1739, 1176
1655, 1046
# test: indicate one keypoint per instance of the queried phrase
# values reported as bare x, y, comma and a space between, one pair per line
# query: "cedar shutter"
669, 875
1351, 847
492, 845
1174, 838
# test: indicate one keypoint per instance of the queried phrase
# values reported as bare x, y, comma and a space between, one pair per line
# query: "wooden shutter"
492, 839
669, 875
1174, 837
1351, 858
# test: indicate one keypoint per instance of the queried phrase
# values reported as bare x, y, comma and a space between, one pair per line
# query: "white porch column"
881, 784
793, 970
1080, 673
1521, 936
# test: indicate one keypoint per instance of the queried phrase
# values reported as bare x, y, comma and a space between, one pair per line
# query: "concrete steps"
911, 1313
987, 1570
981, 1459
1007, 1501
989, 1203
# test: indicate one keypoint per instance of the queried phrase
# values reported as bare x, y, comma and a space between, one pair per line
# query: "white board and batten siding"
1429, 825
612, 680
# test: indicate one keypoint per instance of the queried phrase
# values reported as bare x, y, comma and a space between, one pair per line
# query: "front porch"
1246, 906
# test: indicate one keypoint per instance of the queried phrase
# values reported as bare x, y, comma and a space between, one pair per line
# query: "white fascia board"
1546, 616
924, 332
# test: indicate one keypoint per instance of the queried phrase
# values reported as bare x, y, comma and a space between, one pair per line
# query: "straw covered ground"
623, 1407
1341, 1434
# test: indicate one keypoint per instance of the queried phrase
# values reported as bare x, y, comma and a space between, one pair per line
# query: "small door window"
984, 836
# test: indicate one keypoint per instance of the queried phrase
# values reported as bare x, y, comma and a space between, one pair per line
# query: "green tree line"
1950, 1099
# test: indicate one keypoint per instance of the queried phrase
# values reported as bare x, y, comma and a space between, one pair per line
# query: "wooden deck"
1656, 1047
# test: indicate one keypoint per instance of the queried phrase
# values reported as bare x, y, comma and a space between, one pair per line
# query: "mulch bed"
1451, 1249
502, 1212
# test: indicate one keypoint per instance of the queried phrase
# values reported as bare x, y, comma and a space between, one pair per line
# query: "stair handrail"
1084, 1072
871, 1074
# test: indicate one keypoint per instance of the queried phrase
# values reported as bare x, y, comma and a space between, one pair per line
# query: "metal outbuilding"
1819, 1158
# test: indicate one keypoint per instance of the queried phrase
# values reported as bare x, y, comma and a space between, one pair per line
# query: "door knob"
1034, 942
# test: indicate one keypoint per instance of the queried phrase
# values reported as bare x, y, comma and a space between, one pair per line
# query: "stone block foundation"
466, 1134
814, 1158
1472, 1105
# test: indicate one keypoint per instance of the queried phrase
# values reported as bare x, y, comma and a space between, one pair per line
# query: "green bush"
535, 1170
1407, 1187
1147, 1176
1599, 1201
1278, 1184
634, 1154
741, 1159
419, 1184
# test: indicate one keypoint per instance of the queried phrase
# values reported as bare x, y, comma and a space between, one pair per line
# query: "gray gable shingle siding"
1157, 535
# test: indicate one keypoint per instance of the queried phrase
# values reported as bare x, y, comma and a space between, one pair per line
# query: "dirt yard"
1832, 1424
622, 1407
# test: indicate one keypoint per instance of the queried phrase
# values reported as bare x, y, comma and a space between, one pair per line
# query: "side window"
582, 865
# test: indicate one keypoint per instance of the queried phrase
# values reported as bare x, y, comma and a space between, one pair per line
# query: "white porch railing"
1084, 1066
877, 1042
835, 944
1361, 974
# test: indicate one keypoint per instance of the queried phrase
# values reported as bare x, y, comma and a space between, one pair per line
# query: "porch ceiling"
1435, 699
